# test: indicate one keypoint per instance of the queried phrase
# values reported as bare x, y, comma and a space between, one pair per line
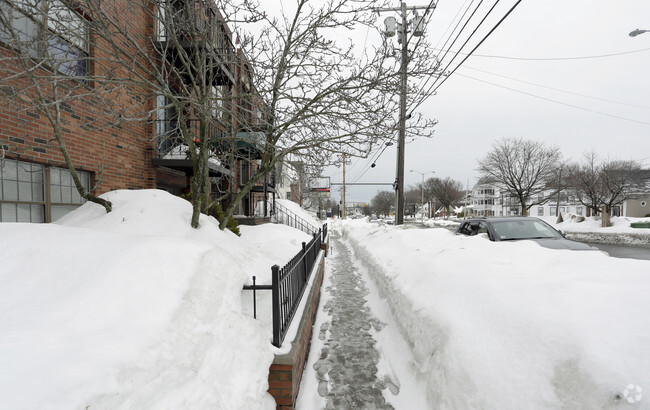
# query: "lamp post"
422, 187
636, 32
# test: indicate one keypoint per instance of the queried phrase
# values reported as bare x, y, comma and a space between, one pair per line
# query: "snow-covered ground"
134, 309
513, 325
590, 230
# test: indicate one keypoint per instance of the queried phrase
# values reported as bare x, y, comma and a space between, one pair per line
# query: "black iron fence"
288, 284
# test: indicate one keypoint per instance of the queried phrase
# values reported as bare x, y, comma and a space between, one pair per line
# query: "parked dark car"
515, 228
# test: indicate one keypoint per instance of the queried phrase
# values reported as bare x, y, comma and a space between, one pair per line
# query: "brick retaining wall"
285, 373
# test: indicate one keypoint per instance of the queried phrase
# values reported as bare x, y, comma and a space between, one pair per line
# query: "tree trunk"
200, 186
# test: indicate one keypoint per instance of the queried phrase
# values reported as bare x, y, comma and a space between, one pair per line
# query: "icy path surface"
358, 359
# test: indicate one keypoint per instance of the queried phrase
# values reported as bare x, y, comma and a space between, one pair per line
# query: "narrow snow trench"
358, 359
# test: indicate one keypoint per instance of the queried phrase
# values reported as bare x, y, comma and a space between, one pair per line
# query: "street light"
636, 32
422, 186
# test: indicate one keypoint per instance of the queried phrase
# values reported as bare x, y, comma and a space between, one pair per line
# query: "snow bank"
134, 309
512, 325
590, 230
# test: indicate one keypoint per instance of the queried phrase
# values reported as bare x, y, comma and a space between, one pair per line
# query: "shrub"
217, 212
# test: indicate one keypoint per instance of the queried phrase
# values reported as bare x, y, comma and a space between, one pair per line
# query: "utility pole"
401, 141
344, 207
343, 196
418, 30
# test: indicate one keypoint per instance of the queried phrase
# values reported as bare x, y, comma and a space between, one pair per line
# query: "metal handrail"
281, 214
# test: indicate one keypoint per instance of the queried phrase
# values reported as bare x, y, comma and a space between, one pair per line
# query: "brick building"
61, 76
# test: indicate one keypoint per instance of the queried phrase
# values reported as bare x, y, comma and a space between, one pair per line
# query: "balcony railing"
170, 143
251, 139
207, 32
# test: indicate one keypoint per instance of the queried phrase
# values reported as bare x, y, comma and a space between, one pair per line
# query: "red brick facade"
119, 153
115, 151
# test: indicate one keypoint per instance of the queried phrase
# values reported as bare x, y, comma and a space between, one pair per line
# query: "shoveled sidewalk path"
349, 364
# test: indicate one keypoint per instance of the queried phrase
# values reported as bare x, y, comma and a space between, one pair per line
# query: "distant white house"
638, 202
487, 200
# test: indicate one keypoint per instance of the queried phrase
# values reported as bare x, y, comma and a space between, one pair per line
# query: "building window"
244, 174
579, 210
22, 196
50, 30
540, 211
23, 188
553, 211
64, 196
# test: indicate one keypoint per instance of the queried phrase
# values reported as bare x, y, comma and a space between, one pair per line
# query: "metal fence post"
304, 261
254, 299
275, 292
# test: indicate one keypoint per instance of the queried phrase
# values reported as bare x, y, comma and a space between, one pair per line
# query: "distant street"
621, 251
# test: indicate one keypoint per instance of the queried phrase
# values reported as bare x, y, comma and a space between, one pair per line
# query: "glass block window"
23, 188
64, 196
22, 196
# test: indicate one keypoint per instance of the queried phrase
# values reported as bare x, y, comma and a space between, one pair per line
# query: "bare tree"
41, 74
447, 191
307, 94
382, 202
596, 183
323, 96
522, 169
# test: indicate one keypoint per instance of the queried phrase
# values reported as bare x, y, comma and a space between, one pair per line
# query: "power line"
426, 11
435, 79
433, 90
556, 58
379, 153
558, 90
556, 101
444, 46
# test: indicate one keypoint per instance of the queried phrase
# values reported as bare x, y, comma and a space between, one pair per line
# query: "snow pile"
620, 224
443, 223
513, 325
134, 309
590, 230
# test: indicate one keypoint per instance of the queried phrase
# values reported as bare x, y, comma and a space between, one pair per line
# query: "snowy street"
358, 358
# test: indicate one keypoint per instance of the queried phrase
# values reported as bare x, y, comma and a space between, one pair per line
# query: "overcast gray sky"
553, 44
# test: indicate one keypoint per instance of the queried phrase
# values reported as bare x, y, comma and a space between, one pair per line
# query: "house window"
50, 30
23, 186
553, 211
579, 210
540, 211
